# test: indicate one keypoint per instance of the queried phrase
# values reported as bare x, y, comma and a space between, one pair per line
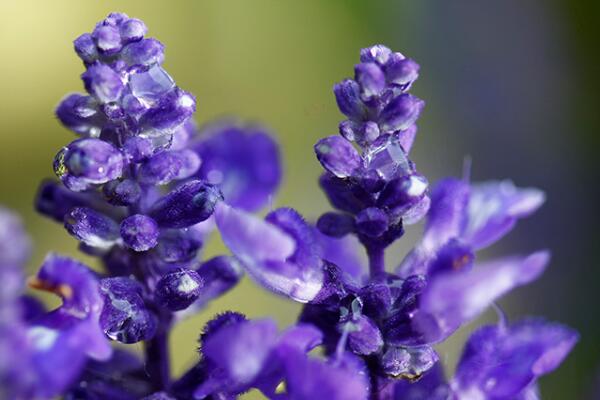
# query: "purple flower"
277, 252
504, 362
242, 160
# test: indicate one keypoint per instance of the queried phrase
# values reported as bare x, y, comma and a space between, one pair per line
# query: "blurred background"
511, 83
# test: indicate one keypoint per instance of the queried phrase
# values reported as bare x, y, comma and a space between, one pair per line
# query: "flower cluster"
141, 188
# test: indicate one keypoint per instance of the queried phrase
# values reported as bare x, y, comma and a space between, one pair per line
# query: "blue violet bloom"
141, 188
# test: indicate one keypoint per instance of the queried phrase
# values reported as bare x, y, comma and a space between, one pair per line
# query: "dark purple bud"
344, 194
86, 162
161, 168
107, 39
364, 337
377, 299
151, 85
453, 256
347, 95
132, 30
177, 290
145, 52
103, 83
403, 193
401, 71
91, 227
377, 54
125, 317
139, 232
388, 159
338, 156
178, 246
370, 180
408, 362
137, 149
335, 224
371, 79
400, 113
219, 275
86, 48
76, 113
122, 193
186, 205
54, 200
372, 222
173, 110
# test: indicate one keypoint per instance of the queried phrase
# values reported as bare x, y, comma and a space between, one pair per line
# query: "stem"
376, 260
158, 357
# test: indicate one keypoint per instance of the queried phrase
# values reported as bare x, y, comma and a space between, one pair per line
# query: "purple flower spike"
139, 232
242, 160
452, 299
338, 156
266, 251
504, 362
88, 162
187, 205
91, 227
177, 290
125, 317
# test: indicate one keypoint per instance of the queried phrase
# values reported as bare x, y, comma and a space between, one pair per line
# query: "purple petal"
452, 299
243, 161
266, 252
338, 156
504, 362
241, 349
494, 208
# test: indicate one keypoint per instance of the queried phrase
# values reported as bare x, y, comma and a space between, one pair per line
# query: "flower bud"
400, 113
85, 162
335, 224
122, 193
91, 227
125, 317
177, 290
347, 95
338, 156
186, 205
139, 232
145, 52
370, 78
103, 83
372, 222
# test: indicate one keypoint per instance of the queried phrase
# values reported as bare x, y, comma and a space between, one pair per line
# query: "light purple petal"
494, 208
264, 250
504, 362
452, 299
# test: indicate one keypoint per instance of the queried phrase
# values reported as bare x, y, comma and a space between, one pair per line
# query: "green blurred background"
512, 83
